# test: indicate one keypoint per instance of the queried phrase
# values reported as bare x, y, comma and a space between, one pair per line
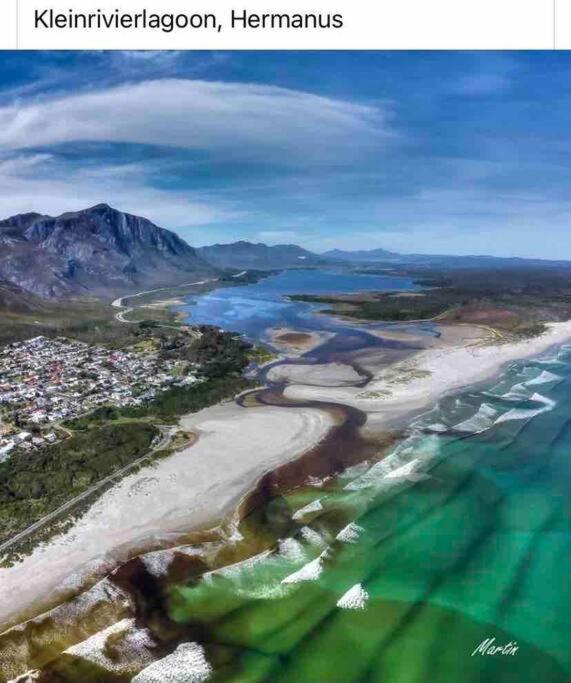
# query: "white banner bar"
295, 24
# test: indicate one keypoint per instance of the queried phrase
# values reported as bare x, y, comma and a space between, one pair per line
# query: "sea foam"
309, 572
525, 413
187, 664
480, 421
543, 378
315, 506
350, 533
355, 598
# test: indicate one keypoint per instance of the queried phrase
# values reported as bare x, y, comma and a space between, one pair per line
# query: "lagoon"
253, 309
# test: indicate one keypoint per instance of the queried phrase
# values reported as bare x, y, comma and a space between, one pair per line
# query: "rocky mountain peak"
95, 250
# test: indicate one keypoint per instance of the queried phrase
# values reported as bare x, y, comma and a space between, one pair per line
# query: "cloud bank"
229, 119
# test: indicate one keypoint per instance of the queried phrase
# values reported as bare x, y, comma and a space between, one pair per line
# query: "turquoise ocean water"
399, 571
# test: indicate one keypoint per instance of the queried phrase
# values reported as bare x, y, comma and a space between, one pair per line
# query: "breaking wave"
482, 420
526, 414
543, 378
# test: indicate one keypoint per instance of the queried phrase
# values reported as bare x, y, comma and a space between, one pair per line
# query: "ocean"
448, 560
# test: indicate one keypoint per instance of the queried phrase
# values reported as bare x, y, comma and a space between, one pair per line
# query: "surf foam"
355, 598
187, 664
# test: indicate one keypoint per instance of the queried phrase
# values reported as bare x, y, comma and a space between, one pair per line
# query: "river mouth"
382, 540
211, 549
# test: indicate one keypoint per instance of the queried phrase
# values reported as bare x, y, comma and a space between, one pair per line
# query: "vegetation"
33, 485
261, 355
90, 322
517, 300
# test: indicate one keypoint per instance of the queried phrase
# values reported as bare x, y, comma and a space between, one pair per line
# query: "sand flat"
295, 342
462, 358
320, 374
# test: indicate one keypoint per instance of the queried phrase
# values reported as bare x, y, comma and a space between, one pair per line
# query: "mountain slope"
98, 251
259, 256
14, 300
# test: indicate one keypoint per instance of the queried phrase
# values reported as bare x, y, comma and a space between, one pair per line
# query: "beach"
192, 489
203, 484
462, 357
320, 375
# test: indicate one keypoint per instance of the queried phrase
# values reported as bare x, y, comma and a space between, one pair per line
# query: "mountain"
259, 256
97, 252
373, 255
383, 257
14, 300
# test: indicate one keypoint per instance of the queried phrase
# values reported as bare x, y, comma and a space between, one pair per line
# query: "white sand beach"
194, 488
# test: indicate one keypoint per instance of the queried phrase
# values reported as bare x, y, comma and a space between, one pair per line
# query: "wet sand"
320, 375
464, 355
296, 342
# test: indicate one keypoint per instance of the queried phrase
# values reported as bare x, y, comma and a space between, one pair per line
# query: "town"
46, 381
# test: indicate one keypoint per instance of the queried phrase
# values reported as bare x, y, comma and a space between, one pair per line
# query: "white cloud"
37, 182
235, 120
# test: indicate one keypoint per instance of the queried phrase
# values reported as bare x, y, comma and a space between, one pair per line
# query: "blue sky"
433, 152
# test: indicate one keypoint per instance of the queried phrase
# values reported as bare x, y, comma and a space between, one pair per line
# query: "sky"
416, 152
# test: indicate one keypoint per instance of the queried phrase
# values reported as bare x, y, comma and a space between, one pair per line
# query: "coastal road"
118, 303
166, 437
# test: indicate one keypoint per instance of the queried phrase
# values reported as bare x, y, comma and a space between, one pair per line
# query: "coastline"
248, 443
400, 390
183, 492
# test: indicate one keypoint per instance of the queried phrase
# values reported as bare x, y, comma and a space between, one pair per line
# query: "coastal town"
44, 382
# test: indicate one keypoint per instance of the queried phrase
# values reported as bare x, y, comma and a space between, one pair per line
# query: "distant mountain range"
101, 252
373, 255
259, 256
382, 257
98, 251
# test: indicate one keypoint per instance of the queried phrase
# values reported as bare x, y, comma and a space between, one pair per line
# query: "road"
165, 440
118, 303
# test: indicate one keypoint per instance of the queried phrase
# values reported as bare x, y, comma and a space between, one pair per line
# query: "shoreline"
181, 493
410, 386
250, 444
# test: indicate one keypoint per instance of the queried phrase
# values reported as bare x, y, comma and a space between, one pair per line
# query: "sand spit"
191, 489
321, 375
297, 342
461, 358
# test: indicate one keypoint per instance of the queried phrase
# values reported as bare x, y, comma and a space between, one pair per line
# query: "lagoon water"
253, 309
399, 571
